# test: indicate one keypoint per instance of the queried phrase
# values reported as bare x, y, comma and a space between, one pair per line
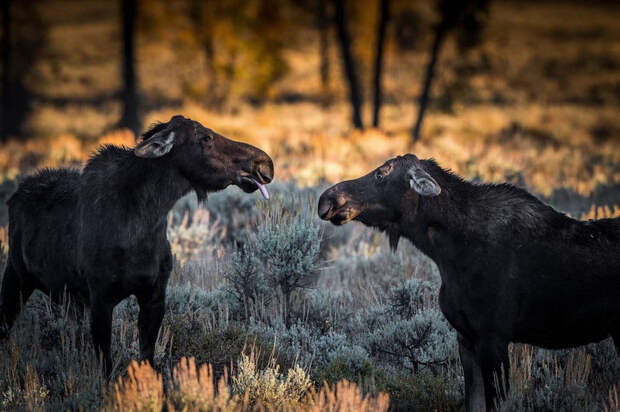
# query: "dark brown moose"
512, 268
101, 234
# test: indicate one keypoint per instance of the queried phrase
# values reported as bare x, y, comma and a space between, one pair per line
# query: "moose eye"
383, 171
204, 136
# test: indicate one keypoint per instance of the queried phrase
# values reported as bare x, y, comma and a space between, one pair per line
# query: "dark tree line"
350, 66
202, 16
439, 36
130, 117
384, 16
350, 70
465, 18
22, 36
322, 23
5, 45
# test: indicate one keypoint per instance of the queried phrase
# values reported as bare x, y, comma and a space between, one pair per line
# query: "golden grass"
601, 212
346, 396
311, 145
141, 390
121, 137
193, 388
4, 239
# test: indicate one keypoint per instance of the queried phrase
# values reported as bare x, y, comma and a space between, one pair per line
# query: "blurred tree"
466, 17
23, 36
408, 27
384, 16
6, 68
243, 43
269, 40
129, 118
323, 28
350, 70
203, 17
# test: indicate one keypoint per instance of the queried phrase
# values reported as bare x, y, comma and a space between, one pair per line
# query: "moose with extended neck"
101, 234
512, 268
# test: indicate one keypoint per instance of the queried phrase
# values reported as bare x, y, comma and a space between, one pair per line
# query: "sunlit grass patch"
195, 387
601, 212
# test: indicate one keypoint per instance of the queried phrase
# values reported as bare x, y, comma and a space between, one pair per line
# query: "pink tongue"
263, 189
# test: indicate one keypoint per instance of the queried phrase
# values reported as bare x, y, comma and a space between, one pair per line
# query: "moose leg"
149, 321
101, 330
616, 338
15, 292
474, 385
152, 308
493, 359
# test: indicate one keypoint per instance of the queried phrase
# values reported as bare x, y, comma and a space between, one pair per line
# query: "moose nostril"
325, 206
264, 170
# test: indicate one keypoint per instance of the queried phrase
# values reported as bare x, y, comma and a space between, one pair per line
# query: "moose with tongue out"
512, 268
101, 234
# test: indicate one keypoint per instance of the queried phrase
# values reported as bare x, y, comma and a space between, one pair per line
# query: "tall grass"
369, 316
194, 388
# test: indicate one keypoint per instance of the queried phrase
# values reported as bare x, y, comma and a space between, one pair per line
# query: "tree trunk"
201, 17
6, 70
323, 28
384, 16
214, 99
129, 118
349, 66
428, 79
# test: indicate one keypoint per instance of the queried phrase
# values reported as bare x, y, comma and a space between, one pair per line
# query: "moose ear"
422, 182
155, 146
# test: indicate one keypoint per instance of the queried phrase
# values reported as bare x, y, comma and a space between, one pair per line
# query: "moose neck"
146, 189
429, 223
444, 222
466, 216
160, 188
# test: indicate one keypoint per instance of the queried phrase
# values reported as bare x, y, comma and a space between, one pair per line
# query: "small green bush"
287, 243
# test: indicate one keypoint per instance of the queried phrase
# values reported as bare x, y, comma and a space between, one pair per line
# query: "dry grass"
346, 396
601, 212
194, 389
141, 390
269, 387
529, 368
574, 372
310, 145
613, 403
4, 240
198, 236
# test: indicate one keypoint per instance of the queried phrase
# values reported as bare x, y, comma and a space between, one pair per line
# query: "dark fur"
101, 234
513, 269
